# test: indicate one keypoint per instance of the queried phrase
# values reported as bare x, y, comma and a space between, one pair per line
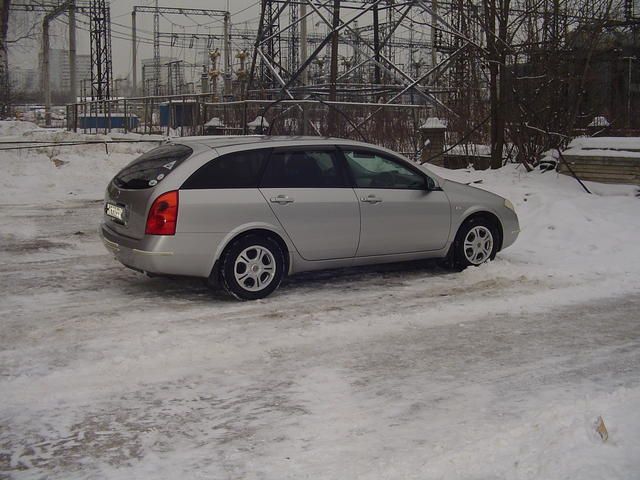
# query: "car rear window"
152, 167
233, 170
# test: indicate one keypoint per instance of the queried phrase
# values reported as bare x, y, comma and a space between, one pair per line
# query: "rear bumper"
180, 254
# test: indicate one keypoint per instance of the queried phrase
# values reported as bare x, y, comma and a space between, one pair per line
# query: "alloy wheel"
478, 244
254, 268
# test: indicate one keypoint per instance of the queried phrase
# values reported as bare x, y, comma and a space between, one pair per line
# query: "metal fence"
392, 126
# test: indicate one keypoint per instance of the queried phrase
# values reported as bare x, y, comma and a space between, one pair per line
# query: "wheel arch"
486, 214
263, 230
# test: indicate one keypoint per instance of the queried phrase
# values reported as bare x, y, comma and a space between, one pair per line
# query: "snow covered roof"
599, 121
258, 122
619, 147
214, 122
631, 144
433, 123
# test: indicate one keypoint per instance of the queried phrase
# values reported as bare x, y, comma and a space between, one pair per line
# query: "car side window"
304, 169
371, 170
233, 170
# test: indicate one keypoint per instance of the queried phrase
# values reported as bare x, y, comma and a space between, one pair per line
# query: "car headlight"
509, 205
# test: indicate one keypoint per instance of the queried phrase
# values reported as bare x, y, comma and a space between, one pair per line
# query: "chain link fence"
393, 126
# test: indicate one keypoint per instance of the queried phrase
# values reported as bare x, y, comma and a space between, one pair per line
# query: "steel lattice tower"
272, 48
294, 38
156, 50
101, 71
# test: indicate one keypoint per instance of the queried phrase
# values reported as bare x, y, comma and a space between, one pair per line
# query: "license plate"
115, 211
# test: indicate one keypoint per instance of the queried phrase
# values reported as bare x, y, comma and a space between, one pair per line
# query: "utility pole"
630, 59
156, 50
434, 33
227, 54
333, 74
303, 43
376, 45
134, 53
73, 74
46, 87
334, 51
5, 95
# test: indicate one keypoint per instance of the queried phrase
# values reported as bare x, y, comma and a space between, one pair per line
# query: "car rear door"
309, 192
399, 213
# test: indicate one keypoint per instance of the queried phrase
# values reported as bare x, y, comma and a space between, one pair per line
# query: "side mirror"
430, 184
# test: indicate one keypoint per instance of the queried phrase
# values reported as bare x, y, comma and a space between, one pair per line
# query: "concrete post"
432, 134
303, 43
73, 73
134, 55
46, 86
227, 54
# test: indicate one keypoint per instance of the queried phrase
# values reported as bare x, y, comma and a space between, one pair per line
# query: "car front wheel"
475, 243
252, 267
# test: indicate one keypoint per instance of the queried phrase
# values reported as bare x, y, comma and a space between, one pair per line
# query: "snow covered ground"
402, 371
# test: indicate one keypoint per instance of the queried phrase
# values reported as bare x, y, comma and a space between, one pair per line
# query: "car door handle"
371, 199
282, 199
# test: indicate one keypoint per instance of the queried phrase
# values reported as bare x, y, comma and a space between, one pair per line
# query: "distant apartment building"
24, 80
60, 71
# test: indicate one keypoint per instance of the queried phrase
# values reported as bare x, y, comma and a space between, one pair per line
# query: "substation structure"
382, 71
309, 67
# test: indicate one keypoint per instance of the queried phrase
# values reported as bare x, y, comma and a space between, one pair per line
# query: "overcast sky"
25, 54
244, 14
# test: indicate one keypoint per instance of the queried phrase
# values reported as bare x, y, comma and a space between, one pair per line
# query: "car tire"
252, 267
476, 243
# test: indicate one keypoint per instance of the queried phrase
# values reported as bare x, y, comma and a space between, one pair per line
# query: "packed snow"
625, 147
606, 143
399, 371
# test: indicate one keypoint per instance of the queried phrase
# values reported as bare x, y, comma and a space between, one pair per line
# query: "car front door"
309, 192
399, 211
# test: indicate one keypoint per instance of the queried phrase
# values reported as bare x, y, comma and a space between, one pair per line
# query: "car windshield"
151, 168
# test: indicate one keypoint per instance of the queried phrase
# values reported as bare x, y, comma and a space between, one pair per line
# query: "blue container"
178, 114
164, 114
102, 121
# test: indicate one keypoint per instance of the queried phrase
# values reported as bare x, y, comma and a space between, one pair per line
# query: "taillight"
163, 215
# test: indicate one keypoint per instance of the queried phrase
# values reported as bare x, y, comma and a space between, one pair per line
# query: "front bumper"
510, 227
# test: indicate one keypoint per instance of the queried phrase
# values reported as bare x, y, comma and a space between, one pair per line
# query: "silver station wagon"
244, 212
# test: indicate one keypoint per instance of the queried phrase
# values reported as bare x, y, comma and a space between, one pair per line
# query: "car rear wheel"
475, 243
252, 267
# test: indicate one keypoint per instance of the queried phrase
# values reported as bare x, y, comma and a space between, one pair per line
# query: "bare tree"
4, 59
534, 63
497, 15
549, 69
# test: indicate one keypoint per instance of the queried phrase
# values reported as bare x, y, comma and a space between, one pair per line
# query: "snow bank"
11, 128
567, 234
413, 374
53, 174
